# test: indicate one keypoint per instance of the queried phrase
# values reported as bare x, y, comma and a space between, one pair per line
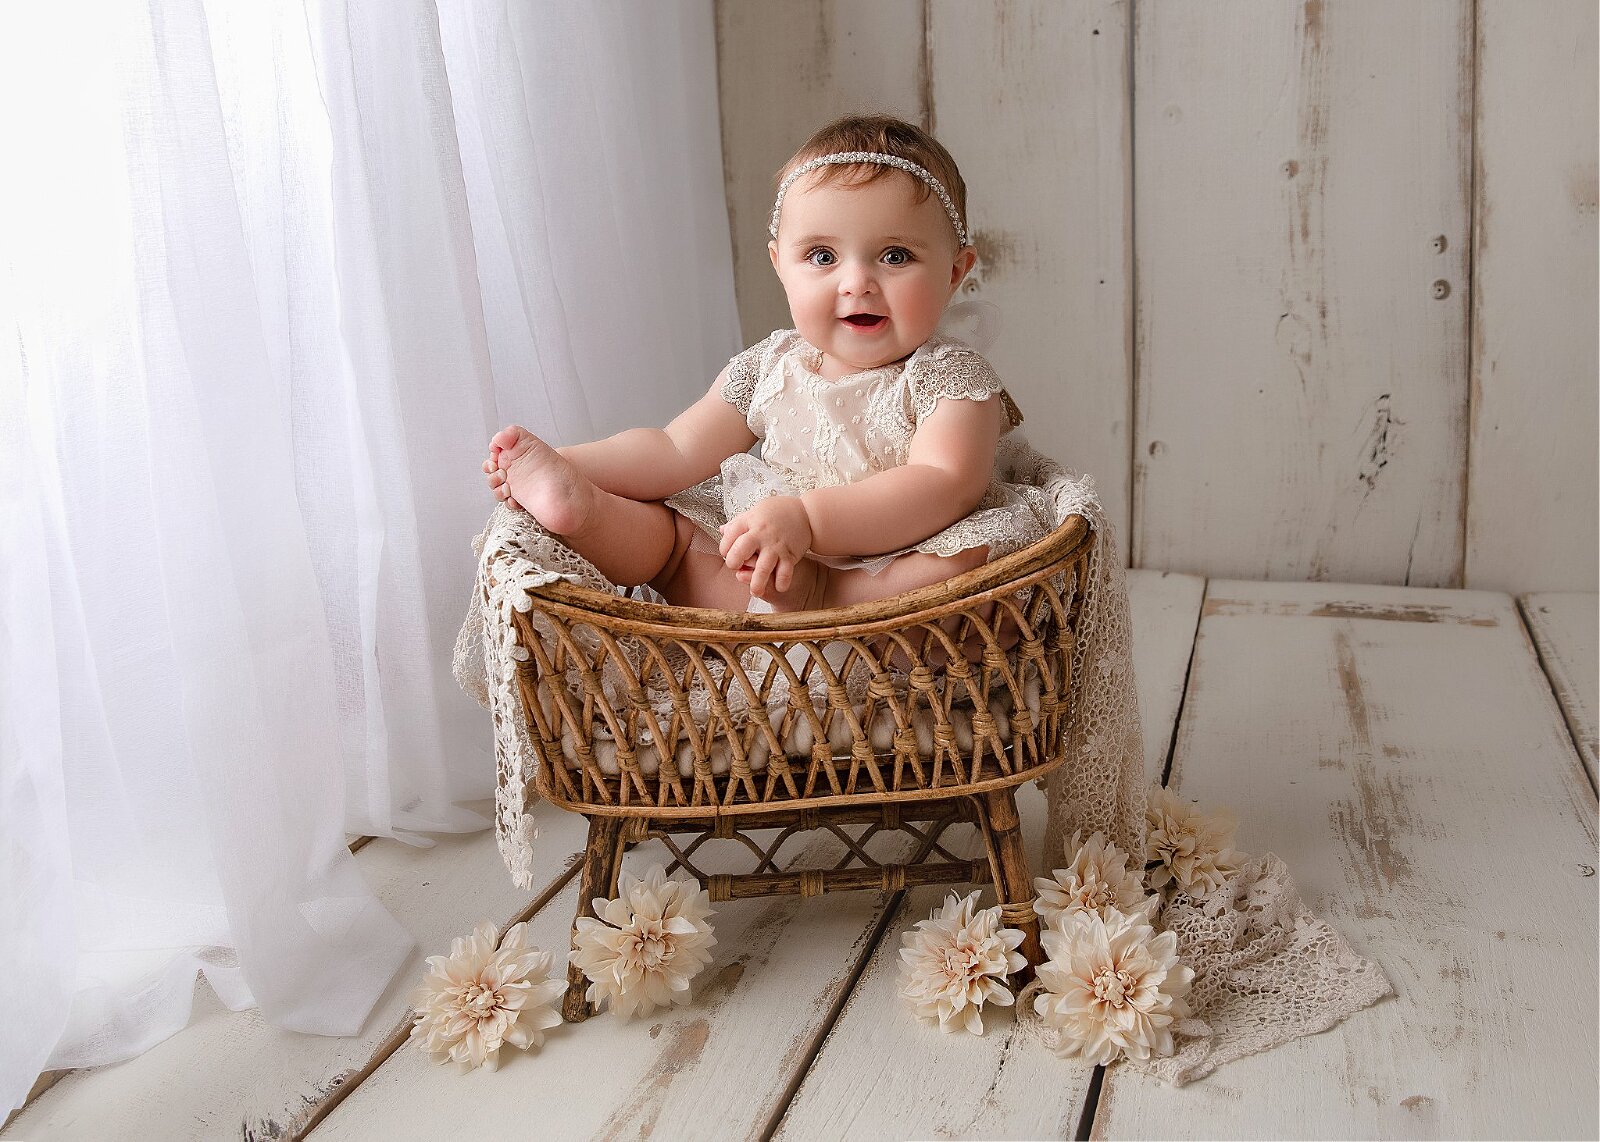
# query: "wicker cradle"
967, 685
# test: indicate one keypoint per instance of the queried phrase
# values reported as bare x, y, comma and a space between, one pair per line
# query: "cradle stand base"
994, 812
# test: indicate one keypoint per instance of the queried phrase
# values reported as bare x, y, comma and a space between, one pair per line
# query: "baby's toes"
507, 437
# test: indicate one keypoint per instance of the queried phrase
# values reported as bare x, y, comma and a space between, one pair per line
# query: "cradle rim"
1063, 545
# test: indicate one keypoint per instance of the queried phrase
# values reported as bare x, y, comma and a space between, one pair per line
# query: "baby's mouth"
866, 320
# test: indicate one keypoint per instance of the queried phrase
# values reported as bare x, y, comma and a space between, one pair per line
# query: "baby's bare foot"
540, 480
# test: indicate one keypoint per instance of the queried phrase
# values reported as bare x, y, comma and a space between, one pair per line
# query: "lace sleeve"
959, 373
748, 367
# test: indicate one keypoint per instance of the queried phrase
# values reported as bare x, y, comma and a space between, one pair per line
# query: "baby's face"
869, 249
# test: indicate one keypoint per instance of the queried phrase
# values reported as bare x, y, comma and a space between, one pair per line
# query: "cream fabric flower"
647, 945
957, 960
1190, 848
478, 998
1097, 878
1111, 986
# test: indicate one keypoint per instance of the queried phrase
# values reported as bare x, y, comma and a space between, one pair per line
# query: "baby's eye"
904, 255
812, 256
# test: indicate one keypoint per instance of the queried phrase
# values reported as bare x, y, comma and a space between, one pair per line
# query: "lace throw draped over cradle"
1266, 969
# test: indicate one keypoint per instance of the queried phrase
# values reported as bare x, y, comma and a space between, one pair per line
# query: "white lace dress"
819, 433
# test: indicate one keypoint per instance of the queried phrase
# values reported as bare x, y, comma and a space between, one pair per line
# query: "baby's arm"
945, 476
654, 463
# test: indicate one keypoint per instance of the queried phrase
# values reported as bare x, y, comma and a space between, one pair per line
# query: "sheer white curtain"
270, 274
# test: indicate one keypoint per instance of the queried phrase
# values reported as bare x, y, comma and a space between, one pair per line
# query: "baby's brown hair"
883, 134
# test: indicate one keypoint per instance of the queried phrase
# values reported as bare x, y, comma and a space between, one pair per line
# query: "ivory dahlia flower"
1188, 847
478, 998
1097, 878
957, 960
647, 945
1111, 986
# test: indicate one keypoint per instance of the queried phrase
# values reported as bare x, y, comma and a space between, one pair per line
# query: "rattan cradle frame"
866, 764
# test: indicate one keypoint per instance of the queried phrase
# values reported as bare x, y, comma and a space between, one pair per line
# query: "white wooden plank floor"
1423, 760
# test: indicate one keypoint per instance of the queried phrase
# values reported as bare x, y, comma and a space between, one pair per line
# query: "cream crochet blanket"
1266, 969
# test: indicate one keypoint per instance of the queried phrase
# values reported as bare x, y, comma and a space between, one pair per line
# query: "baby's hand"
763, 544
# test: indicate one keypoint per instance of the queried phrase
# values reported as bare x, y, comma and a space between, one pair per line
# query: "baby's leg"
629, 541
697, 576
908, 572
904, 573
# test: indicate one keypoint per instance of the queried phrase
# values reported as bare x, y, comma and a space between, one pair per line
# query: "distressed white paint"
785, 68
1532, 497
1164, 608
886, 1075
1032, 100
230, 1073
1301, 392
1566, 629
1301, 188
1400, 750
1451, 848
718, 1067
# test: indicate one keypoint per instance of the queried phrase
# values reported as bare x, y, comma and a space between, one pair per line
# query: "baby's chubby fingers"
761, 578
737, 552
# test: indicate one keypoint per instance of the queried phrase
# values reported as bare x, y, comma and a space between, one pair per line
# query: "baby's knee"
683, 538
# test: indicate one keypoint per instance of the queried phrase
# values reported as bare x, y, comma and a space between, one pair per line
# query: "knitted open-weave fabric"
1266, 969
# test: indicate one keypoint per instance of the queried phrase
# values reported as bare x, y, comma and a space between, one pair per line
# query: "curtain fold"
274, 274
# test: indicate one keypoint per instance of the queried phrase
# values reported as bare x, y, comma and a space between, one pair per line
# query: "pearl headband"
869, 157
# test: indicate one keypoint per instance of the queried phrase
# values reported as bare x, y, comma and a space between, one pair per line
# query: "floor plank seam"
397, 1038
1555, 694
885, 921
1091, 1103
1183, 694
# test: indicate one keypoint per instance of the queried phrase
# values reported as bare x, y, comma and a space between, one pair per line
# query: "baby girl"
877, 466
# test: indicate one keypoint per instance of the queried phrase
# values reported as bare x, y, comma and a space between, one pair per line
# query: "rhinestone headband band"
869, 157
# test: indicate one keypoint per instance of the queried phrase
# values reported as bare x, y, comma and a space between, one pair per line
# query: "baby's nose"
856, 280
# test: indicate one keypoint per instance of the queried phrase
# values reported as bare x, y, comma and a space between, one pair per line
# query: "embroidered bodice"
816, 432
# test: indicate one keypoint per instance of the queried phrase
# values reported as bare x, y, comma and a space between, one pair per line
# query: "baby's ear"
966, 258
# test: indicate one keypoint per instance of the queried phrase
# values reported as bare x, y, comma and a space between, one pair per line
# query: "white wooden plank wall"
1531, 485
1301, 393
1234, 244
1048, 198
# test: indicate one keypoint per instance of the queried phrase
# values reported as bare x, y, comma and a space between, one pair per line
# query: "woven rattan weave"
907, 713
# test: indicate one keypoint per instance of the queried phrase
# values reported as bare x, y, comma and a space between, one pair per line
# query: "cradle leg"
1013, 879
600, 858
